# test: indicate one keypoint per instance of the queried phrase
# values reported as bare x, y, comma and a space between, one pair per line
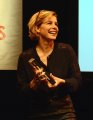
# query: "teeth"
52, 32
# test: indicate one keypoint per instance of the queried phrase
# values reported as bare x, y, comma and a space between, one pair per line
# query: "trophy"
34, 64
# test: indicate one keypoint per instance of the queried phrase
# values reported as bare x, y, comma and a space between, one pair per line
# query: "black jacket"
63, 63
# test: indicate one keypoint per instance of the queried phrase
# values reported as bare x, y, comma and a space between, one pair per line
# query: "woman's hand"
39, 77
57, 80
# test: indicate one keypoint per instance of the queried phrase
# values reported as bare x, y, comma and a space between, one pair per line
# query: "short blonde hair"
36, 20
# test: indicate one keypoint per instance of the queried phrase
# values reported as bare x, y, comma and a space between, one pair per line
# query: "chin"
52, 38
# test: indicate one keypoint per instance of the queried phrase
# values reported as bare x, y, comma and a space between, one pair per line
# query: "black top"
62, 63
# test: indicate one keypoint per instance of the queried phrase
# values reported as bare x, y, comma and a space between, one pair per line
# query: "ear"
37, 29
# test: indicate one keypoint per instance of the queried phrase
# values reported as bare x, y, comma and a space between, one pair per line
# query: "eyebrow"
50, 21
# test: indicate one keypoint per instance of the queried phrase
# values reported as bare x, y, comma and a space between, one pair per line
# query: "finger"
39, 71
42, 76
51, 75
52, 86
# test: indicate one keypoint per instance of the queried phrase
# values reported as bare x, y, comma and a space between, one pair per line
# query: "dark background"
67, 10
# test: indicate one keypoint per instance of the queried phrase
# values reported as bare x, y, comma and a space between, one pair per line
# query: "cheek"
57, 29
44, 30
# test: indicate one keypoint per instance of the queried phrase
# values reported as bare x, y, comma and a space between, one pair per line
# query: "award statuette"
35, 65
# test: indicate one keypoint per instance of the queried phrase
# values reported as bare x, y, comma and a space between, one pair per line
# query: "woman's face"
49, 28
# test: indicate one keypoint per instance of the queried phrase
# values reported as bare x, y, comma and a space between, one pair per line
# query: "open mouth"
53, 32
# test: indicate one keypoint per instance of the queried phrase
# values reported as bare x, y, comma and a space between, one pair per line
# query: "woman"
47, 101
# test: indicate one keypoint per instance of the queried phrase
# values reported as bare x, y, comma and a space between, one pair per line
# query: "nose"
55, 26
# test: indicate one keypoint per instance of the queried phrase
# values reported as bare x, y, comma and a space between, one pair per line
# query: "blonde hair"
36, 20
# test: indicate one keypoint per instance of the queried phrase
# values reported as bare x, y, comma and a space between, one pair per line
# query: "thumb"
51, 75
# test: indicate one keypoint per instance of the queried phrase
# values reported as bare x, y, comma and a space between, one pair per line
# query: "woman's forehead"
50, 17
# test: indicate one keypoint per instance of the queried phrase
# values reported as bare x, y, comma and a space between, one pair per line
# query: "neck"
45, 46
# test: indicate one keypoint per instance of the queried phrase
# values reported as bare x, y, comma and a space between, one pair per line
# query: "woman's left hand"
57, 80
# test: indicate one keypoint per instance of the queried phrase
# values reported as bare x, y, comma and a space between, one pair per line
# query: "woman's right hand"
39, 77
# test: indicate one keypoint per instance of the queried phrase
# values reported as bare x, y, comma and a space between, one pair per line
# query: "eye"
56, 24
49, 23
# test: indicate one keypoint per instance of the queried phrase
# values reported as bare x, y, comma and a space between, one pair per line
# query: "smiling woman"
48, 101
40, 19
49, 28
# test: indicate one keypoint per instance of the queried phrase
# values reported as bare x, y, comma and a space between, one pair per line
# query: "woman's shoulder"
26, 53
64, 45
